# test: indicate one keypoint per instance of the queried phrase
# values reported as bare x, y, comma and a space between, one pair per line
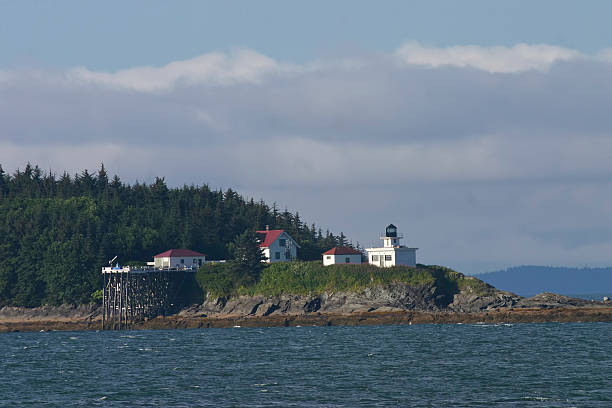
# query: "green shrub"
97, 296
224, 279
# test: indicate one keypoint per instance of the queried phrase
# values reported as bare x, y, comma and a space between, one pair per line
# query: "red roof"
269, 237
178, 252
342, 251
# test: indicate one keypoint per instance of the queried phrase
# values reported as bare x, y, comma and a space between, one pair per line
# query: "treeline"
57, 232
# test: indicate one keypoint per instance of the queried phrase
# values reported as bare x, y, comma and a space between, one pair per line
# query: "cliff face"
386, 298
393, 297
398, 296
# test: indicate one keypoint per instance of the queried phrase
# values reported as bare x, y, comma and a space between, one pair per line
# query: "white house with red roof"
341, 255
277, 245
179, 258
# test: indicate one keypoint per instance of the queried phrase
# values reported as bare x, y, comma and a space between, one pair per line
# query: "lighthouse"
392, 253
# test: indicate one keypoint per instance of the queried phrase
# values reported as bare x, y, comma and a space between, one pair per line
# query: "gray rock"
397, 296
62, 312
549, 300
467, 302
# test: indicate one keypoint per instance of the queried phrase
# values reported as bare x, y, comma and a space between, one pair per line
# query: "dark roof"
178, 252
342, 251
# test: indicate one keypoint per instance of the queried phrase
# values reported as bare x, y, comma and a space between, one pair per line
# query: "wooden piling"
130, 295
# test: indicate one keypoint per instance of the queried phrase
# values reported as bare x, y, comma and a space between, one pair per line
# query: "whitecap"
536, 398
265, 384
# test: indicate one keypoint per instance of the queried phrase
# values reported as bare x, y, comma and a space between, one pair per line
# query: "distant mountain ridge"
529, 280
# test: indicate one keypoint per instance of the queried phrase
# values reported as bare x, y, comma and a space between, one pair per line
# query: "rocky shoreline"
393, 304
497, 316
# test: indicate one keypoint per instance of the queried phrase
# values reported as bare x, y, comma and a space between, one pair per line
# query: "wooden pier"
132, 294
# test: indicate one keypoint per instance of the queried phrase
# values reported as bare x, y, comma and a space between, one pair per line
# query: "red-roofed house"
179, 258
341, 255
277, 245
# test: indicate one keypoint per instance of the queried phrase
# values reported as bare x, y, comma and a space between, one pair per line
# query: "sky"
483, 130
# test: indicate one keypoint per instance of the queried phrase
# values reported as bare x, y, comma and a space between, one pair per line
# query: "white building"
179, 258
341, 255
392, 253
277, 245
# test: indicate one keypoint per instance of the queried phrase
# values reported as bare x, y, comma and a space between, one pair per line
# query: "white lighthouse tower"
392, 253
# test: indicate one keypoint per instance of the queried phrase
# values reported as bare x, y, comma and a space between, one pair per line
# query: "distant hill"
530, 280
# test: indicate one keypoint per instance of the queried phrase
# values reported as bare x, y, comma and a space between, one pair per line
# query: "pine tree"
101, 180
247, 253
3, 183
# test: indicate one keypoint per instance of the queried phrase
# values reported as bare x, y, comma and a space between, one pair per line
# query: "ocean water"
476, 365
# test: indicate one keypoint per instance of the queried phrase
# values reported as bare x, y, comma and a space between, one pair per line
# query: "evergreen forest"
56, 232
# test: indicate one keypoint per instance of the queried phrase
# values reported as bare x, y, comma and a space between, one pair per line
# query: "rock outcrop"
388, 298
56, 313
397, 296
549, 300
469, 302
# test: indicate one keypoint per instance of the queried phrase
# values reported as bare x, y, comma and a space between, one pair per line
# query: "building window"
374, 258
394, 241
199, 262
182, 262
277, 255
195, 261
328, 257
347, 260
388, 258
282, 242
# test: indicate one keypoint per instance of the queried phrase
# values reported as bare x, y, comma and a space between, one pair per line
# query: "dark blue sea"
471, 365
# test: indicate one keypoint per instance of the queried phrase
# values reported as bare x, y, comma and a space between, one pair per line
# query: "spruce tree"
247, 253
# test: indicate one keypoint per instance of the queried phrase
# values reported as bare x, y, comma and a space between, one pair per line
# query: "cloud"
240, 66
484, 156
498, 59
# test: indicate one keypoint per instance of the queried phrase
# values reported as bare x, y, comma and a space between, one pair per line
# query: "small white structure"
179, 258
392, 253
341, 255
277, 245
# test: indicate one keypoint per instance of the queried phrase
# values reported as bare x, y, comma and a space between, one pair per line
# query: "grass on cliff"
302, 278
314, 278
